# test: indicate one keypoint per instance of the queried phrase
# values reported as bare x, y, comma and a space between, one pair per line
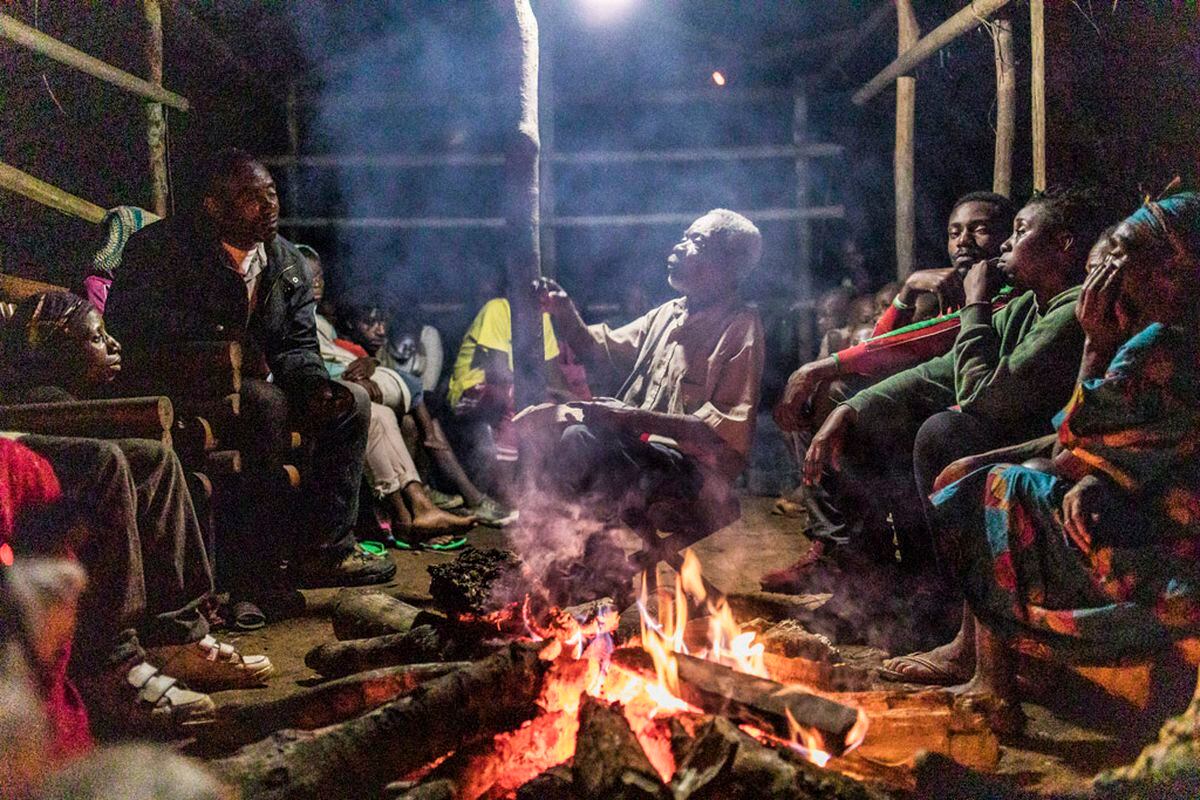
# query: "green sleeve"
916, 393
1029, 385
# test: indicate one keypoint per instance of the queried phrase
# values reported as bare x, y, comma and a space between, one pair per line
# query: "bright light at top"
605, 10
718, 78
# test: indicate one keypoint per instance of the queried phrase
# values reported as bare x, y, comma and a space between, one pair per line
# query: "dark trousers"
132, 525
944, 438
268, 522
617, 476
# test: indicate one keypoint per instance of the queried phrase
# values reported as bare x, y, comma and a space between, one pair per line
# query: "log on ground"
424, 643
362, 616
359, 758
609, 761
326, 704
755, 701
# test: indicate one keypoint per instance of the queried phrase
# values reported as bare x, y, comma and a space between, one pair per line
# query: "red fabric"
27, 481
346, 344
891, 354
892, 319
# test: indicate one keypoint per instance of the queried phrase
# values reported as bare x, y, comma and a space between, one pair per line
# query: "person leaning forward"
222, 272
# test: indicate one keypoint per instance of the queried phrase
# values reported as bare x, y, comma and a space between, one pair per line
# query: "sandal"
928, 672
246, 616
212, 665
165, 702
451, 544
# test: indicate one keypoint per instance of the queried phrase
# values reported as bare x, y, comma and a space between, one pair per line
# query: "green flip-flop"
372, 547
457, 543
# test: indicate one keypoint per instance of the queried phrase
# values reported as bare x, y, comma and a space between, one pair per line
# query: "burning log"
309, 709
361, 616
609, 761
424, 643
725, 763
763, 703
429, 790
359, 758
553, 784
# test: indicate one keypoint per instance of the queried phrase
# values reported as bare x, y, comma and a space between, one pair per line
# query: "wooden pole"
14, 180
156, 122
523, 214
906, 108
1037, 49
875, 22
33, 39
1006, 107
966, 20
546, 103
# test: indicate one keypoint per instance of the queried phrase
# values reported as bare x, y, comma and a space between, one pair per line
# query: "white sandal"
167, 701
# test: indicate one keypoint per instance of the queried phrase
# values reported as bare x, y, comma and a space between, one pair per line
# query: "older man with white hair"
681, 425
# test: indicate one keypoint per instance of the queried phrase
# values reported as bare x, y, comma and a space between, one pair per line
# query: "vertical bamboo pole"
523, 263
803, 276
156, 123
1006, 107
1037, 49
906, 106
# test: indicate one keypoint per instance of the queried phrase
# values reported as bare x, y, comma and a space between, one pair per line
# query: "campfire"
674, 698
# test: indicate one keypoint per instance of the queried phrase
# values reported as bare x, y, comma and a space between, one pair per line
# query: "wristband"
900, 304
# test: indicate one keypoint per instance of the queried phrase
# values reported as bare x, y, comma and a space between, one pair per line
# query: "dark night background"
1123, 113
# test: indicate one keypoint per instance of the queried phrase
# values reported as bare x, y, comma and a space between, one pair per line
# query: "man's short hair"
222, 165
739, 240
1006, 210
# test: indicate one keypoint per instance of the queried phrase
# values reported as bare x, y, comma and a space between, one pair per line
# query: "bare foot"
435, 522
980, 696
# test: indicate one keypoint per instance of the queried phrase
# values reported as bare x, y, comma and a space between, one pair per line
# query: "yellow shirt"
491, 329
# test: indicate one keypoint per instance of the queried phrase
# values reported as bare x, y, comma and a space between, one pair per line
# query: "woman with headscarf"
141, 542
1097, 556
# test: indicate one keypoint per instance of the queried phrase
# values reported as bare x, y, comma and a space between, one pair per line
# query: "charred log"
359, 758
555, 783
422, 644
609, 761
329, 703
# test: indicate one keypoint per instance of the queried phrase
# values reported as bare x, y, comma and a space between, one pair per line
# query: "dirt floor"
1062, 749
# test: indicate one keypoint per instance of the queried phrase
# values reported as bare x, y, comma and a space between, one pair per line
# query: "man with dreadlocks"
127, 515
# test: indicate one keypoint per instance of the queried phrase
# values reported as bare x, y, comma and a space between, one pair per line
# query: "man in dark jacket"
224, 273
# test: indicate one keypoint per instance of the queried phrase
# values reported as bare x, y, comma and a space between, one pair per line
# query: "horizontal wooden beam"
966, 20
417, 160
587, 221
873, 23
14, 180
33, 39
359, 100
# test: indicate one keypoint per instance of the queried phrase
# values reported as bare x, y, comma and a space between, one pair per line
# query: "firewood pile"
488, 696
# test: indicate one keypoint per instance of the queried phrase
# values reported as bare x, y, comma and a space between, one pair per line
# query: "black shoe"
356, 568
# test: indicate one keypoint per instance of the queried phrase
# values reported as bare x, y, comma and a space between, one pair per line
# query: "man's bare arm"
568, 324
